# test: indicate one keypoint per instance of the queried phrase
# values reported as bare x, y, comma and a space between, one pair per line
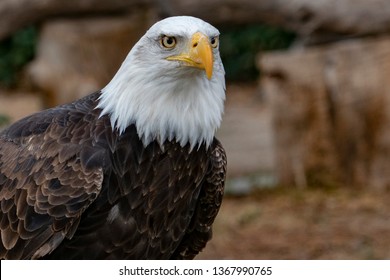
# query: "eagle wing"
47, 180
209, 202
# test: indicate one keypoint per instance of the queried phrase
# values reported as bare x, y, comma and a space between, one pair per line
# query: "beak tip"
203, 53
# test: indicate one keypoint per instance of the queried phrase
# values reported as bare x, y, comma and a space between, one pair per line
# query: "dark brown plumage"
72, 188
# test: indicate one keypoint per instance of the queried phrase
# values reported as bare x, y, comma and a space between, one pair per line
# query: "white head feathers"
167, 99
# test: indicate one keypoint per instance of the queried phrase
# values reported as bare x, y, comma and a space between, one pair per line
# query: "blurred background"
306, 125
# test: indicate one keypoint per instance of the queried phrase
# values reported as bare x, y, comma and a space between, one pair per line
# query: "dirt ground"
311, 224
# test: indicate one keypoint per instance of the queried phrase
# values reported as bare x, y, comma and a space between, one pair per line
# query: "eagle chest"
149, 200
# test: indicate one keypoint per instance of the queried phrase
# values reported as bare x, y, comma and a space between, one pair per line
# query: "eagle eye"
168, 42
214, 41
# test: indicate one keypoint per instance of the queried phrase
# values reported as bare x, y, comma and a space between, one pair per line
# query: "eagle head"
171, 85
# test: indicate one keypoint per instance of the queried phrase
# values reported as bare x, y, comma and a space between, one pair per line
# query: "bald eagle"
132, 171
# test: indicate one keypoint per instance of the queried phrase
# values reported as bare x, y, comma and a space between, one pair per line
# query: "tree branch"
16, 14
306, 17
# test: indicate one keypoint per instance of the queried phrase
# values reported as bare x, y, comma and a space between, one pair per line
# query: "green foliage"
240, 45
15, 52
4, 120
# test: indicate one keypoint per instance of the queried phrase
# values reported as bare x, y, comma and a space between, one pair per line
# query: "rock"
78, 56
16, 105
246, 135
331, 108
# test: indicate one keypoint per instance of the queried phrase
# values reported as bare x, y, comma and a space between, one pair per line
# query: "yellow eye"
214, 41
168, 42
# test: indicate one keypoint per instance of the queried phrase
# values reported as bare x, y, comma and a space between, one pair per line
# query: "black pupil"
170, 41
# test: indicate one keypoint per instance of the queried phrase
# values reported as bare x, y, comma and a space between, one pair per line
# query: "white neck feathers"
174, 105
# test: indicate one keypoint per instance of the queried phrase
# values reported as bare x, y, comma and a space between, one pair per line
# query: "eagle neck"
183, 107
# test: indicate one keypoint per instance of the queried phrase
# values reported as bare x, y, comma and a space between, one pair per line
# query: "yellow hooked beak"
198, 55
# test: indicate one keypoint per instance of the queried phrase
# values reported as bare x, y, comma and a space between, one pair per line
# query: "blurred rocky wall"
77, 56
331, 106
